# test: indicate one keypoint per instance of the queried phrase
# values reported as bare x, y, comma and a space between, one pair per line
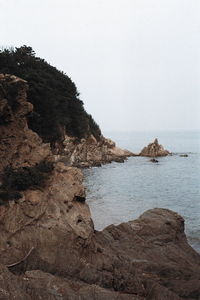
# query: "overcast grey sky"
136, 63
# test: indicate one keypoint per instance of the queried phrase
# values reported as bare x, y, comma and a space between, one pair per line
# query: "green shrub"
9, 195
54, 95
23, 178
45, 166
15, 180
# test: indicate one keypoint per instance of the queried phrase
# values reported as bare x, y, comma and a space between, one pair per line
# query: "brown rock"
19, 146
90, 152
148, 258
154, 150
50, 250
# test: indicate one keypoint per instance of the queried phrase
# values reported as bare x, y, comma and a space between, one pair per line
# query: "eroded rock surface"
40, 211
154, 150
148, 258
91, 152
19, 146
50, 250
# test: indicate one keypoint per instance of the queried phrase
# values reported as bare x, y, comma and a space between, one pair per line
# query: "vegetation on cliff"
15, 180
57, 107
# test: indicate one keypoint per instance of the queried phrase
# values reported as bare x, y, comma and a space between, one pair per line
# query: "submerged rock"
153, 160
154, 150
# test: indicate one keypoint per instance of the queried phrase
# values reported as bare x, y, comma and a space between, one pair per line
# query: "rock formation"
90, 152
153, 160
19, 146
49, 248
59, 117
154, 150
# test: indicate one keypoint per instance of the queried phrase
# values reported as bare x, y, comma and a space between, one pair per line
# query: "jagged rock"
50, 250
154, 150
90, 152
19, 146
148, 258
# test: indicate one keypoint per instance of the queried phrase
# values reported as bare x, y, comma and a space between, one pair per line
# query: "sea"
119, 192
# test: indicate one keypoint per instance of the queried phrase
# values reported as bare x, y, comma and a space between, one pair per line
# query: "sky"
136, 63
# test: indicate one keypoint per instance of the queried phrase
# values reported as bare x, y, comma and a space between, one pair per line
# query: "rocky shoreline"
148, 258
91, 152
49, 247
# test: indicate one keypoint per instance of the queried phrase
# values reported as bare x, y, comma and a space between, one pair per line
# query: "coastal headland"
49, 247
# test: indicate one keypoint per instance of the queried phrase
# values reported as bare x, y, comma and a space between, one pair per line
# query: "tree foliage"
55, 98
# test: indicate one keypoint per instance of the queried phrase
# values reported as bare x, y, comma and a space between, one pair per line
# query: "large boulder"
148, 258
154, 150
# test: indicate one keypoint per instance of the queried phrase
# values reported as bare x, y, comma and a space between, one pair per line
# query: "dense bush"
16, 180
23, 178
53, 94
44, 166
6, 195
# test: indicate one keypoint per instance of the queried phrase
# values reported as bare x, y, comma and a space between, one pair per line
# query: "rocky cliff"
49, 248
58, 110
58, 115
19, 146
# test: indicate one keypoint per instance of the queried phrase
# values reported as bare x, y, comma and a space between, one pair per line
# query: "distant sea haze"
121, 192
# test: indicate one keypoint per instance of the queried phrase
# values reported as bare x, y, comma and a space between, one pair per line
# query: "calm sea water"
121, 192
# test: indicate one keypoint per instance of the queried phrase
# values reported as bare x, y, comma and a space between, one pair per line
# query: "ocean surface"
120, 192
